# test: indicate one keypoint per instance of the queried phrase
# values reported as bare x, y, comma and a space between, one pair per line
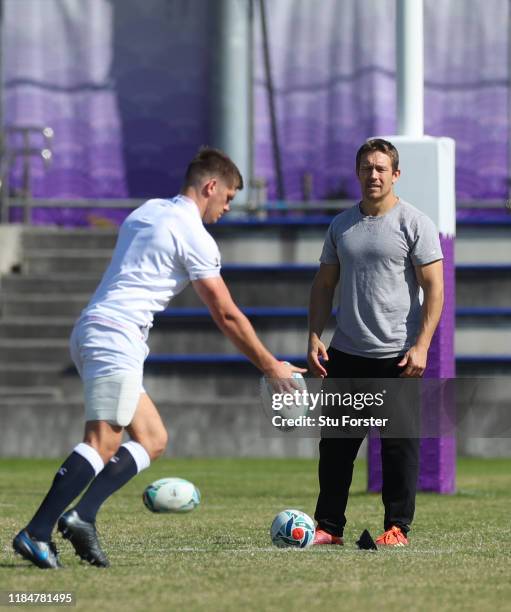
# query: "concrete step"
226, 427
16, 395
60, 238
483, 337
202, 381
473, 366
34, 350
483, 285
494, 250
251, 286
250, 291
246, 293
208, 378
260, 242
178, 331
173, 335
286, 334
29, 375
228, 376
19, 285
68, 306
483, 245
239, 242
180, 381
466, 366
36, 327
36, 305
478, 331
65, 261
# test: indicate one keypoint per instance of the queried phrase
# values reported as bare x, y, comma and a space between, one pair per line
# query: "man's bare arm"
430, 277
235, 325
320, 310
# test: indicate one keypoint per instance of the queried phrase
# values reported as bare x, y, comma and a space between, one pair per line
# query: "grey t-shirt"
379, 310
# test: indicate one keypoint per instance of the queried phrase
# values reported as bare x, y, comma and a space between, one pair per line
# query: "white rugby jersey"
161, 247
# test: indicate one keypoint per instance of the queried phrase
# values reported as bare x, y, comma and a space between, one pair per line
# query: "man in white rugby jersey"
161, 247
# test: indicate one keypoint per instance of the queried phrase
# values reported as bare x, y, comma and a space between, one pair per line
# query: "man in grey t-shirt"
380, 252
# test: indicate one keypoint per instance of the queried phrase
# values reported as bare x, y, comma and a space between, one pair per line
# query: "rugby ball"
292, 529
171, 495
288, 406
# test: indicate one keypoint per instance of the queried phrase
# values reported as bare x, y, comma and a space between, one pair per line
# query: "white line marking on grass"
291, 550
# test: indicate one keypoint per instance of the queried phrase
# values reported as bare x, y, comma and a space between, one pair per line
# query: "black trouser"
400, 456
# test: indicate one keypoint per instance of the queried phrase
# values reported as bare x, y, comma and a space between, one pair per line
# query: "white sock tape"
92, 456
139, 453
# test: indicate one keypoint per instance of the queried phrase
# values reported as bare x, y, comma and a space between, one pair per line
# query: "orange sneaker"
392, 537
323, 537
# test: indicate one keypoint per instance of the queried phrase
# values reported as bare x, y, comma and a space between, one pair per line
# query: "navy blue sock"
70, 480
121, 468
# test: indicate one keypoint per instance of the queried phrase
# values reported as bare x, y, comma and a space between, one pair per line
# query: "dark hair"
383, 146
213, 162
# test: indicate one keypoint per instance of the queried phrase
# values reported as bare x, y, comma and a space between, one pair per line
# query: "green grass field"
219, 557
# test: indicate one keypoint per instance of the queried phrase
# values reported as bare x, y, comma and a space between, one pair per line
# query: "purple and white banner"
125, 86
333, 68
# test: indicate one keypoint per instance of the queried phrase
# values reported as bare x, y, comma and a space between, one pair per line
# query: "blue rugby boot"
42, 554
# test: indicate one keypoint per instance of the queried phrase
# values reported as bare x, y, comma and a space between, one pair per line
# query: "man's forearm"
320, 310
431, 313
240, 332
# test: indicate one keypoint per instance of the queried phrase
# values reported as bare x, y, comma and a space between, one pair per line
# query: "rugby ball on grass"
171, 495
292, 529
